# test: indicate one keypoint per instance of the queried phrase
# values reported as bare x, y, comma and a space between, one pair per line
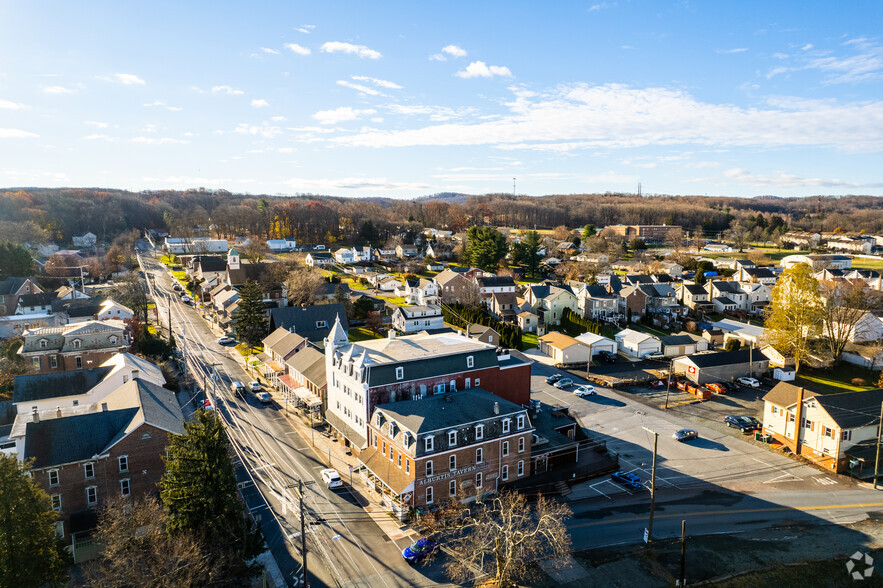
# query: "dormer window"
321, 324
392, 429
507, 424
43, 343
406, 438
113, 340
470, 361
429, 443
452, 439
76, 343
520, 421
479, 432
400, 373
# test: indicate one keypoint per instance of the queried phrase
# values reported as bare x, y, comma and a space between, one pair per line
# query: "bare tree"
137, 550
561, 232
301, 285
255, 250
844, 309
675, 239
374, 321
502, 535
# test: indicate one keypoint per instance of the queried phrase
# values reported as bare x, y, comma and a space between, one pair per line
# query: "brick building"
658, 232
361, 376
73, 347
114, 449
424, 451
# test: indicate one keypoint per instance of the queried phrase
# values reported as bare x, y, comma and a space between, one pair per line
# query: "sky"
406, 99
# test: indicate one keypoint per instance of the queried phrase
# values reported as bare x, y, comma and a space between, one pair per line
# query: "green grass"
530, 340
396, 300
244, 350
837, 379
874, 264
362, 334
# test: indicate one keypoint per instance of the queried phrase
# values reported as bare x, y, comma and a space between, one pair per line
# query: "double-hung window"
452, 463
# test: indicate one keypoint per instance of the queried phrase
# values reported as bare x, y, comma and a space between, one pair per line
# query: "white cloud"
278, 118
780, 179
864, 65
16, 134
158, 140
306, 29
736, 50
264, 130
437, 57
260, 103
780, 55
342, 114
358, 87
382, 83
99, 138
8, 105
129, 79
600, 6
270, 51
360, 50
454, 51
162, 104
57, 90
435, 113
95, 123
330, 185
479, 69
299, 49
807, 47
226, 90
582, 116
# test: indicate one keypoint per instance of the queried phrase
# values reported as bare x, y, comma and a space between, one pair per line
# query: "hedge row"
463, 316
574, 325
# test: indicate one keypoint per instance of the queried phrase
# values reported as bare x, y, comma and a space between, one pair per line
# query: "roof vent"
496, 408
58, 412
36, 415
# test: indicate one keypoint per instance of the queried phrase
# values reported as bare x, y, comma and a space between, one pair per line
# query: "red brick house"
115, 449
73, 347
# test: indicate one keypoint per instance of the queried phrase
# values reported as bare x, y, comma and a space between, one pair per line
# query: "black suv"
607, 357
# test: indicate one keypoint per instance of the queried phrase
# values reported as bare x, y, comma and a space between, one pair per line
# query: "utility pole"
303, 531
652, 485
209, 367
683, 576
671, 364
877, 461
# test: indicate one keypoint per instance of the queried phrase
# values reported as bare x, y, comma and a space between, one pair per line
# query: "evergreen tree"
250, 319
527, 253
30, 553
199, 492
15, 261
487, 246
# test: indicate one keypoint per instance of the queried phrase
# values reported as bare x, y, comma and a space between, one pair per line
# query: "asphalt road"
345, 547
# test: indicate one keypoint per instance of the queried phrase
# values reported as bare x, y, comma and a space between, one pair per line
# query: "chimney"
58, 412
103, 407
496, 408
391, 333
798, 414
36, 415
135, 373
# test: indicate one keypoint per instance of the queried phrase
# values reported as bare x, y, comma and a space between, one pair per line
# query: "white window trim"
452, 462
429, 469
479, 432
479, 455
400, 373
128, 483
86, 466
507, 425
504, 473
429, 443
520, 468
505, 449
430, 495
470, 361
57, 477
120, 463
452, 438
58, 496
88, 501
521, 421
452, 488
521, 445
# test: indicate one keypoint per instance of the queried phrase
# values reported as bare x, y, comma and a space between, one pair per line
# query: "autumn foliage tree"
794, 313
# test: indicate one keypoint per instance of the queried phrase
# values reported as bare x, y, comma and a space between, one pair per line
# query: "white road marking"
783, 478
825, 480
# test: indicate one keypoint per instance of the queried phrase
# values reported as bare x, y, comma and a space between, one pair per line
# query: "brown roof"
387, 470
785, 394
560, 340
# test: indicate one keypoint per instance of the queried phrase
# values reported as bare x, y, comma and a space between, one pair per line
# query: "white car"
186, 299
255, 386
750, 382
585, 390
226, 340
264, 397
332, 478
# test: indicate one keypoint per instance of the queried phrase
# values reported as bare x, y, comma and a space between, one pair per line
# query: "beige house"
835, 431
528, 321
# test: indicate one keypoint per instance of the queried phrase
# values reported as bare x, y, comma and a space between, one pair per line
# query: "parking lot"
626, 420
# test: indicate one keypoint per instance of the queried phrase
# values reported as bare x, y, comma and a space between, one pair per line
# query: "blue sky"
404, 99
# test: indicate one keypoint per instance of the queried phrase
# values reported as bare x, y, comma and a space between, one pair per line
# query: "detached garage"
564, 349
637, 343
597, 343
704, 368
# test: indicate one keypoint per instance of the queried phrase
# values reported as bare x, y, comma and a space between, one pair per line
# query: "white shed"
598, 343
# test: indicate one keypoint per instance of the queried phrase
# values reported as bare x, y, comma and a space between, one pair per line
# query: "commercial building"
658, 232
73, 347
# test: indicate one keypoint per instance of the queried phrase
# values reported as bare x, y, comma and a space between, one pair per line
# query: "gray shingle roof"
74, 438
724, 358
302, 319
695, 289
311, 363
853, 409
677, 340
52, 385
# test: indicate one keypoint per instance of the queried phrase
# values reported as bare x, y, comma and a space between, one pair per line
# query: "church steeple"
233, 259
337, 336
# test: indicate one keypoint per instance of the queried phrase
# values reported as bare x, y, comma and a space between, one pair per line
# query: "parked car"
584, 390
186, 299
730, 387
607, 356
629, 480
681, 384
226, 340
750, 382
238, 388
264, 397
553, 378
717, 388
419, 550
564, 383
685, 435
745, 424
177, 287
255, 386
331, 478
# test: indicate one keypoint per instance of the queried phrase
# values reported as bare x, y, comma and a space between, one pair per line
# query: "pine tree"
30, 553
250, 319
199, 491
487, 246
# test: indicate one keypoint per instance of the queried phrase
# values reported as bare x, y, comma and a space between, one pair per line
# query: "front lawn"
845, 377
530, 340
863, 263
362, 334
395, 300
244, 350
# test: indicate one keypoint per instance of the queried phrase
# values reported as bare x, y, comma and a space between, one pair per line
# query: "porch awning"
307, 397
289, 382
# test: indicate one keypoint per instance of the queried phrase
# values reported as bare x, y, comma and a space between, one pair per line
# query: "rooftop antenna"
513, 186
639, 189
